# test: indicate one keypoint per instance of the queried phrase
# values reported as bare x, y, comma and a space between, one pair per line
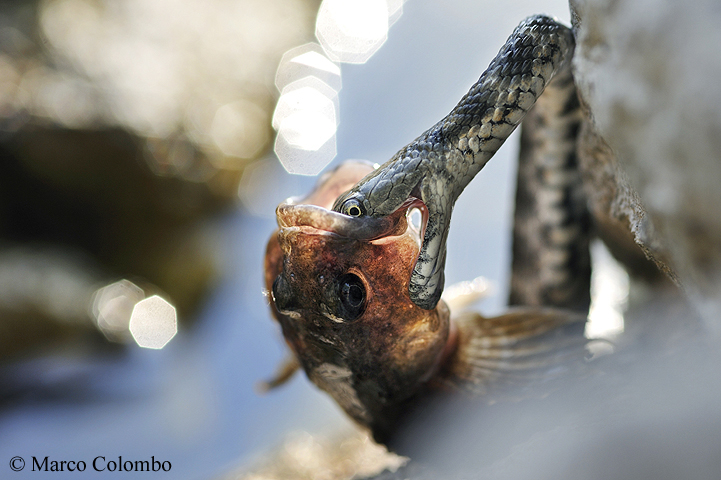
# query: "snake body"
552, 223
438, 165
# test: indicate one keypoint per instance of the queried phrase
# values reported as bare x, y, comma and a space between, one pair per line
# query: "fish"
338, 287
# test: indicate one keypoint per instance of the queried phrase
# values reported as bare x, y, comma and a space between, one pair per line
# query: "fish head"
340, 293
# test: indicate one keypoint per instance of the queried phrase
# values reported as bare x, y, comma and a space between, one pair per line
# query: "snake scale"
437, 166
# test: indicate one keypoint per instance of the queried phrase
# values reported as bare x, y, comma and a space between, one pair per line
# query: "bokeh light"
153, 322
395, 10
306, 119
306, 61
352, 31
309, 78
301, 161
239, 130
305, 96
113, 306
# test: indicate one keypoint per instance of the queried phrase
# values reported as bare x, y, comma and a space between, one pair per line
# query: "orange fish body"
339, 289
343, 306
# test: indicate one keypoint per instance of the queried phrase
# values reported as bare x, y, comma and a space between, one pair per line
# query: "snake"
438, 165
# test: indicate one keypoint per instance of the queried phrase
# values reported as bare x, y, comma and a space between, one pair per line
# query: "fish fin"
461, 295
283, 373
522, 347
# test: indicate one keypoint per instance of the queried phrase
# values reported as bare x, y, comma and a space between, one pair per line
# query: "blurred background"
144, 145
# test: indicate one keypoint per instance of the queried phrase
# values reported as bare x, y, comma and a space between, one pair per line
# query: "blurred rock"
646, 70
343, 456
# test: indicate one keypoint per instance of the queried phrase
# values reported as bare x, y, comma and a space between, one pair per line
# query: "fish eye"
282, 293
352, 207
352, 296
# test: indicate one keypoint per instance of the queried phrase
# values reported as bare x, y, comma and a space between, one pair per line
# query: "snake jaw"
428, 278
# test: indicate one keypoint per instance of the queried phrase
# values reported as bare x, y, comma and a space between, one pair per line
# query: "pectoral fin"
283, 373
523, 346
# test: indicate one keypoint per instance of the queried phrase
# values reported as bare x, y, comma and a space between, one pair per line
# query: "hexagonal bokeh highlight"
306, 116
351, 31
307, 60
113, 306
306, 120
308, 94
308, 128
154, 322
304, 162
395, 10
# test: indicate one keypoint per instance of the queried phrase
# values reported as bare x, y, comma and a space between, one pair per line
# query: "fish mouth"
313, 214
313, 217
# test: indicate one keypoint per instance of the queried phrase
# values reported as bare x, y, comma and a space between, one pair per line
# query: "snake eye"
352, 207
352, 296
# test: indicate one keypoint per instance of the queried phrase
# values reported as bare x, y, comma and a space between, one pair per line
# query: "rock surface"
647, 71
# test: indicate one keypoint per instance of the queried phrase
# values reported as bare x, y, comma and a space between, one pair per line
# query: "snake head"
382, 193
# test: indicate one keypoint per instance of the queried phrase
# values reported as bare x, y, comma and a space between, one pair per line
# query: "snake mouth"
312, 213
411, 217
417, 218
